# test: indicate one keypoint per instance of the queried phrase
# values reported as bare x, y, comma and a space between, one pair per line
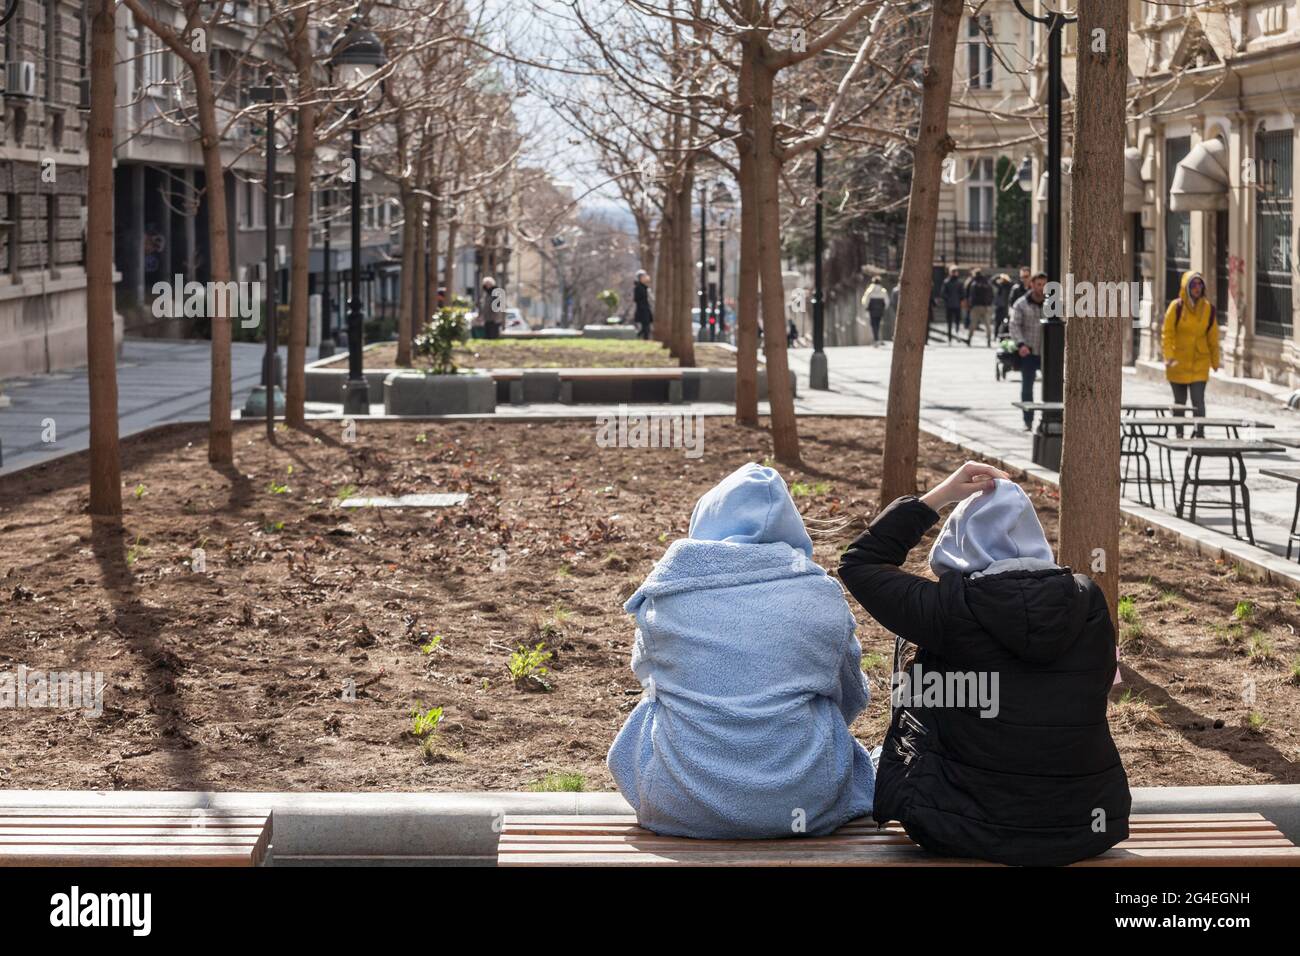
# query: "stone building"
43, 160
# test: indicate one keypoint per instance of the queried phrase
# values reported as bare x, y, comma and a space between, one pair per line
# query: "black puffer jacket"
1038, 784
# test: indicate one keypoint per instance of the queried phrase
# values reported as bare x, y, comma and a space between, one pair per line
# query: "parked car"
515, 322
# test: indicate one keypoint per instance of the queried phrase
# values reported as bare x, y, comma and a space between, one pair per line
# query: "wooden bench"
1176, 839
44, 836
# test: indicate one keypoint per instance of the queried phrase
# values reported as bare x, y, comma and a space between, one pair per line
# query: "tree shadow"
1260, 757
141, 626
240, 497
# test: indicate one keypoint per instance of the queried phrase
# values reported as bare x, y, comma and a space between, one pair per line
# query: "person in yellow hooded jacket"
1190, 342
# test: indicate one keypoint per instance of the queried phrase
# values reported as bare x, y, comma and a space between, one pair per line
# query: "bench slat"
1212, 839
66, 836
169, 823
518, 844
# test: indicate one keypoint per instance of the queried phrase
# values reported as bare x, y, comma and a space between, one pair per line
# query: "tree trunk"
683, 327
420, 287
101, 358
747, 286
902, 419
449, 264
664, 288
1094, 346
406, 293
220, 438
304, 157
430, 267
767, 171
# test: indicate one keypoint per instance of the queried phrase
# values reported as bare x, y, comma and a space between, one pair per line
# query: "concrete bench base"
414, 393
326, 384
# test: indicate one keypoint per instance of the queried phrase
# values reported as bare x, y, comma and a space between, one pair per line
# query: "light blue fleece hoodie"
751, 670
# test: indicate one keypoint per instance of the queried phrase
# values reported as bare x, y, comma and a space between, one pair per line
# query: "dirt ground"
235, 678
556, 353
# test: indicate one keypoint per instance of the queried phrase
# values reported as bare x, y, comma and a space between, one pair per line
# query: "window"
154, 64
1272, 18
980, 52
11, 230
1273, 233
53, 36
52, 232
252, 205
979, 193
1178, 225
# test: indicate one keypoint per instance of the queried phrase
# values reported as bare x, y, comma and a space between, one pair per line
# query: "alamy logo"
75, 908
651, 430
207, 300
960, 689
1095, 300
63, 690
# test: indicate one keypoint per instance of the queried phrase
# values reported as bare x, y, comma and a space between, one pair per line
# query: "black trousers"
1197, 391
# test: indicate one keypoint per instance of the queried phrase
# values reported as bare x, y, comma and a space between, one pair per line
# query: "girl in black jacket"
998, 747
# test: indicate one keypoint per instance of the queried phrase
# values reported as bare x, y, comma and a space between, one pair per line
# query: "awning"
1201, 179
1134, 189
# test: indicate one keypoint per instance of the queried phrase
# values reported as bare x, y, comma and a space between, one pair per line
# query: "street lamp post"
818, 375
326, 319
361, 55
267, 397
1047, 439
723, 203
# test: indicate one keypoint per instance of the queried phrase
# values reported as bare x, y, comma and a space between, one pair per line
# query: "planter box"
609, 331
414, 393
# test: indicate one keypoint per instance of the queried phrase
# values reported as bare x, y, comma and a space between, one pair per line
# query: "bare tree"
1090, 463
192, 42
902, 418
105, 461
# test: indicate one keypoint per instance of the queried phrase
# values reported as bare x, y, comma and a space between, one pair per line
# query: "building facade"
43, 159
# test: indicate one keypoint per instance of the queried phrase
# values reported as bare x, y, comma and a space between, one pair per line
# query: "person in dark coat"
1022, 286
1011, 759
953, 294
641, 297
490, 309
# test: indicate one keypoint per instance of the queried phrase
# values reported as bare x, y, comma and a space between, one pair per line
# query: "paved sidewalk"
167, 381
158, 381
962, 400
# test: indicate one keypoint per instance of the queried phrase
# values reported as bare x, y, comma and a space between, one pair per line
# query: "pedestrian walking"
490, 310
952, 294
979, 297
1027, 331
1021, 286
875, 300
1190, 343
641, 297
1001, 303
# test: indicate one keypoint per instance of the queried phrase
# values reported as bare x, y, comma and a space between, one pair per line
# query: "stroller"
1006, 356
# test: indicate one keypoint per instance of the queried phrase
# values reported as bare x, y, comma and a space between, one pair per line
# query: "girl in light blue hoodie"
752, 674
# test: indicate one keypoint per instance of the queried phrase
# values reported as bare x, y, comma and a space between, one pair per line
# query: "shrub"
439, 337
609, 299
528, 667
560, 783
